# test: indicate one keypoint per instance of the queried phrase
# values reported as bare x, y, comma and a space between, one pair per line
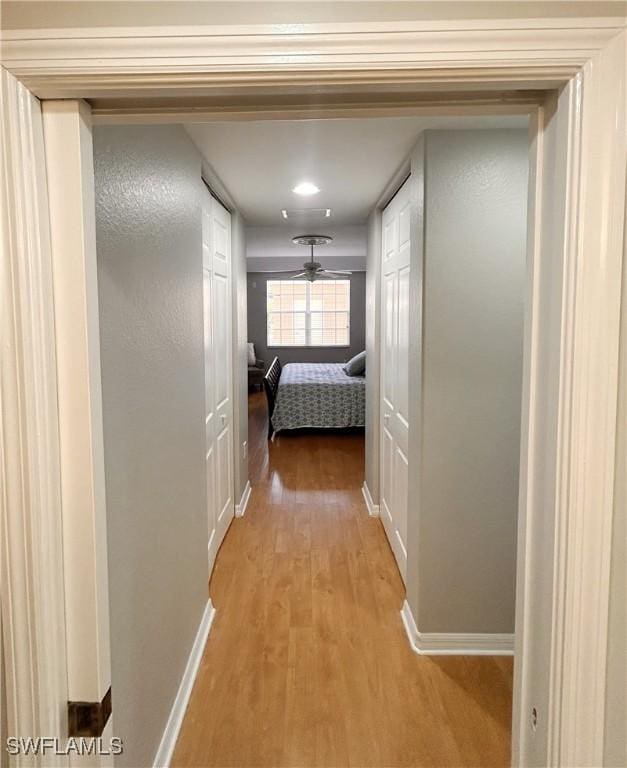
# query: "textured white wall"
148, 209
474, 277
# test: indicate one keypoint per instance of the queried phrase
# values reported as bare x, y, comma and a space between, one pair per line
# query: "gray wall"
616, 693
416, 270
148, 209
373, 330
240, 353
356, 262
257, 327
473, 298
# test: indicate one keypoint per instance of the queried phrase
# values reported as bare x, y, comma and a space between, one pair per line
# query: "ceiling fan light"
312, 240
312, 268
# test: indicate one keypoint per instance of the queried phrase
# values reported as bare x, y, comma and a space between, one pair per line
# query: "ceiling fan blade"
337, 272
276, 271
300, 274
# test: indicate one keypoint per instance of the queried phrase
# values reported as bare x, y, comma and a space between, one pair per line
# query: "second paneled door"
216, 233
395, 254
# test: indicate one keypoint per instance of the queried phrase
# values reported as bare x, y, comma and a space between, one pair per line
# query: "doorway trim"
32, 600
584, 61
161, 61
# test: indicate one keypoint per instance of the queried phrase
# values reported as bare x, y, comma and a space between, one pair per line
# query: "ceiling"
351, 160
20, 14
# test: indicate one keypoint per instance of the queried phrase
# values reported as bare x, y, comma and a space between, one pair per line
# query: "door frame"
440, 66
215, 539
387, 515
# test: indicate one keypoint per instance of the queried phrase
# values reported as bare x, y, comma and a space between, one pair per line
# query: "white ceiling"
351, 160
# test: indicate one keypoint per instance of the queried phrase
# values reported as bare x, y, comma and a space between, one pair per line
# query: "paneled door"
216, 233
395, 253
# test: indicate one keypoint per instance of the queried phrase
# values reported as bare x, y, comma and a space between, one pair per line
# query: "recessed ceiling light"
306, 188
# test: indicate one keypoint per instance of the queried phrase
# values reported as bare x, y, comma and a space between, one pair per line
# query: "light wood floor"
307, 663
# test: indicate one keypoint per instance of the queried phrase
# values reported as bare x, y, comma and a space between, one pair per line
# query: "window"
304, 314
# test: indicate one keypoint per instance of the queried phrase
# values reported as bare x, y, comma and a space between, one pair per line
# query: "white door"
395, 372
216, 231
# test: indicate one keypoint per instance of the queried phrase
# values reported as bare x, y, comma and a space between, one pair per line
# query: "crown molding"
122, 61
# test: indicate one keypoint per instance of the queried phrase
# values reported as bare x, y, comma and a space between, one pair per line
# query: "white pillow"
252, 357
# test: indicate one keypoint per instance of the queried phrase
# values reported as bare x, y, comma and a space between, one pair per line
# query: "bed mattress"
319, 395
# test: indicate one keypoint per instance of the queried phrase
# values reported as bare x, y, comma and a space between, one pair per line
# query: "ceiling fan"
313, 269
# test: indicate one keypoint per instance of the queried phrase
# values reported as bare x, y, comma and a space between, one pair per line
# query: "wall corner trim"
373, 509
454, 643
240, 508
177, 713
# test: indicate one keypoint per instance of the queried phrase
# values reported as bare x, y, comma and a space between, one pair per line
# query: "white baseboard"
373, 509
243, 502
175, 720
454, 643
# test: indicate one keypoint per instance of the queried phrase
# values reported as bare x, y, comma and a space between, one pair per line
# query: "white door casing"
32, 595
217, 293
395, 271
70, 179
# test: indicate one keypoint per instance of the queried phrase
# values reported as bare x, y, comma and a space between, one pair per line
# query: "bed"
319, 395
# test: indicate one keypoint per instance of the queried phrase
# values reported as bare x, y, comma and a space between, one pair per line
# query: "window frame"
308, 312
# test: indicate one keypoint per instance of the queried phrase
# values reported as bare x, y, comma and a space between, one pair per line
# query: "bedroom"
308, 518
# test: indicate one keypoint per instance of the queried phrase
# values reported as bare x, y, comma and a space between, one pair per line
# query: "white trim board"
454, 643
179, 707
32, 591
373, 509
240, 508
70, 182
61, 63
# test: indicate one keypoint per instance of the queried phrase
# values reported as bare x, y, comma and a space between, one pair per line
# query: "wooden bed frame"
270, 385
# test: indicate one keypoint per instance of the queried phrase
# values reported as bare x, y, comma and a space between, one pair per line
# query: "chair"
255, 368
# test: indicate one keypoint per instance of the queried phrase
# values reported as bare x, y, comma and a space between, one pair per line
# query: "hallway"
307, 663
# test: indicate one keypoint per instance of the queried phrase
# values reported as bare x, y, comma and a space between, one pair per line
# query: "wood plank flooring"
307, 663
